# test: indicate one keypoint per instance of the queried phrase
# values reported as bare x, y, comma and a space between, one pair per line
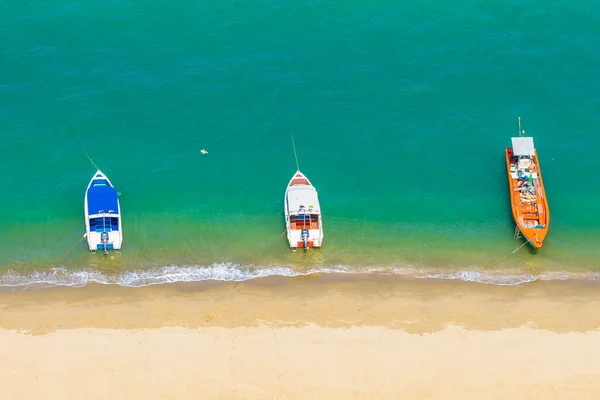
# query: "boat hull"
303, 220
530, 210
102, 211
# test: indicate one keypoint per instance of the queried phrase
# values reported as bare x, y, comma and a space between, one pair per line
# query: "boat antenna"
295, 155
521, 131
85, 151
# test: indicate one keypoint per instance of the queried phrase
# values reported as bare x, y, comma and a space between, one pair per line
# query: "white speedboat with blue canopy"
103, 226
303, 219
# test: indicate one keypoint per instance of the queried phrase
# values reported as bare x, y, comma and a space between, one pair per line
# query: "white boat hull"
303, 219
103, 223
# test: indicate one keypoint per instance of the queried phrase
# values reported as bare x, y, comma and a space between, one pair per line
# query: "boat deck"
299, 181
298, 222
528, 192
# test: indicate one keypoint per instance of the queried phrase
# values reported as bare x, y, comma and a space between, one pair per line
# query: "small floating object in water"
203, 151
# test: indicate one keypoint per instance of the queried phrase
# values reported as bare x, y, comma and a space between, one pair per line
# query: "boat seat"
531, 217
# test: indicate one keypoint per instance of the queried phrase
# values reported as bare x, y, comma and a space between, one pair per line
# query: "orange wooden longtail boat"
527, 195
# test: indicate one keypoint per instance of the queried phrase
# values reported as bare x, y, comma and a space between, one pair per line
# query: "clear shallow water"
400, 112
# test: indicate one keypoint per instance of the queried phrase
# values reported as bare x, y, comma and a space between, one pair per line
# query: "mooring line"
505, 257
72, 247
85, 151
265, 253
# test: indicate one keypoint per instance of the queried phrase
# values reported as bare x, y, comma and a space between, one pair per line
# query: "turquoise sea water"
401, 112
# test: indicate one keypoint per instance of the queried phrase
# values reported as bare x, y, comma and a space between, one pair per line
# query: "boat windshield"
104, 224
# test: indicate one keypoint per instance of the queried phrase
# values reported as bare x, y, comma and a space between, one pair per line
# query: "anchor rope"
265, 253
85, 151
27, 289
510, 254
295, 155
72, 247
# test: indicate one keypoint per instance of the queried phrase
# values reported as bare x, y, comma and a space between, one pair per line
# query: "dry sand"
319, 337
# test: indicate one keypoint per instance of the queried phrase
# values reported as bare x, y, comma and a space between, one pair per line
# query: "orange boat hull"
529, 207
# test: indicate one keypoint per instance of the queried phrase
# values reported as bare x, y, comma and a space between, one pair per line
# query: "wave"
147, 277
236, 273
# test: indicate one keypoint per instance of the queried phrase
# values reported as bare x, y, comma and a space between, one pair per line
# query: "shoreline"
13, 281
398, 252
397, 302
334, 336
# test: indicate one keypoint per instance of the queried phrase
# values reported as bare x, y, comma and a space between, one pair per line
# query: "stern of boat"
104, 233
305, 238
534, 236
304, 231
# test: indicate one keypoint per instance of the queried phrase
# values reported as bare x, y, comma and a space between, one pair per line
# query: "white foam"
477, 276
237, 273
153, 276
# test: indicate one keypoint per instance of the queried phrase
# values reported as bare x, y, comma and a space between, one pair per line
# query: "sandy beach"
318, 337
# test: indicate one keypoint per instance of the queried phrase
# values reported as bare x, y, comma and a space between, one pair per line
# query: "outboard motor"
104, 239
305, 239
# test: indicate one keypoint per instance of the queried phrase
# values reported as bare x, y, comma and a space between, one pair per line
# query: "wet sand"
322, 336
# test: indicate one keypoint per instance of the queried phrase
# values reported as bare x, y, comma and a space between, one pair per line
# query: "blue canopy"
102, 198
